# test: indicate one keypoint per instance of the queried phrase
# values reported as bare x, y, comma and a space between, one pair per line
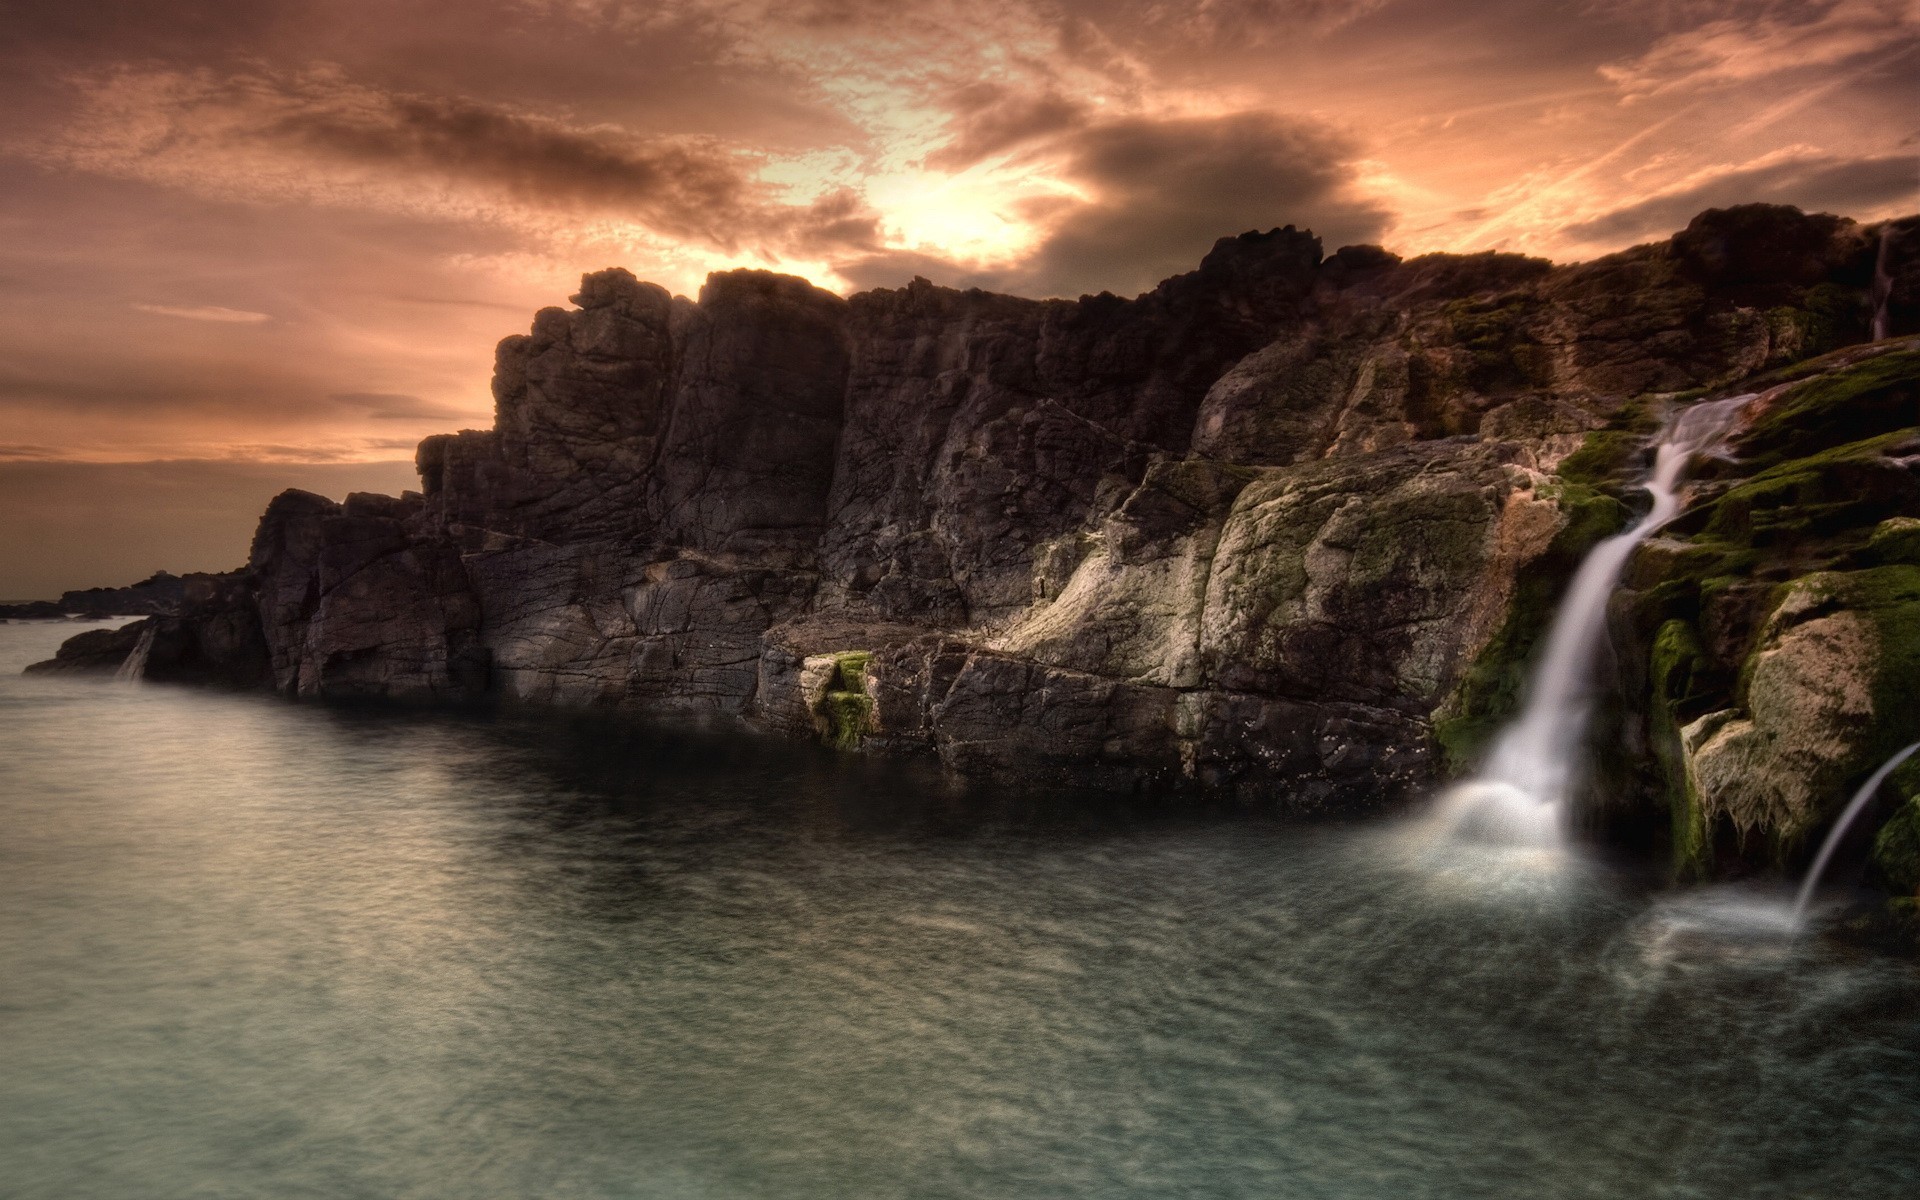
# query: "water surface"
251, 948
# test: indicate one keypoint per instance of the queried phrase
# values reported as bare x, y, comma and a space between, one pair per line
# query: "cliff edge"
1284, 527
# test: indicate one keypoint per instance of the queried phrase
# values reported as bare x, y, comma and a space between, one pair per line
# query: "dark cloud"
319, 137
990, 119
77, 525
680, 188
1164, 192
1167, 190
1819, 183
836, 223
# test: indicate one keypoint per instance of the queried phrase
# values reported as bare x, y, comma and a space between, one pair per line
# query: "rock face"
1249, 531
1770, 638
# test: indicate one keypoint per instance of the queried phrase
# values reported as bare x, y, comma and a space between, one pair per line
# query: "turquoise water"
258, 949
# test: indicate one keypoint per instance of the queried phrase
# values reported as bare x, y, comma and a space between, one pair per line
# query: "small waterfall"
1519, 796
1882, 283
1853, 809
135, 668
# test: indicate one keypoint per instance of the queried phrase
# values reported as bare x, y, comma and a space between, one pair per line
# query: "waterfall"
1853, 809
1520, 794
1882, 283
135, 668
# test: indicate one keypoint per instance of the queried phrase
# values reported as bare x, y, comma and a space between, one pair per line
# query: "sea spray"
1840, 827
134, 668
1520, 795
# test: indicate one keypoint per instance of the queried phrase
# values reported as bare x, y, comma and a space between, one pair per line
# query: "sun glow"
966, 216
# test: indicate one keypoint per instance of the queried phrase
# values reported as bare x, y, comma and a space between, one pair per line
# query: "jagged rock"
219, 642
34, 610
95, 652
1250, 530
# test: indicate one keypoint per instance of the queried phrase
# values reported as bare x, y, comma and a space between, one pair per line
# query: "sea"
253, 947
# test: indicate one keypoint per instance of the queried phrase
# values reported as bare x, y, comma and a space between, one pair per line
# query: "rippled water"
258, 949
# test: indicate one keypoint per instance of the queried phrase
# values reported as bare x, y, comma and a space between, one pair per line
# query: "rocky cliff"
1285, 527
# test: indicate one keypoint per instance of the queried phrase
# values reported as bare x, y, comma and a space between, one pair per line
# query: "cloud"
1163, 190
991, 118
207, 312
1256, 21
395, 406
317, 136
1809, 180
17, 451
1765, 38
300, 454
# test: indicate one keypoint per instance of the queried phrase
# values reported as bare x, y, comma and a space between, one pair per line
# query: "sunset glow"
232, 223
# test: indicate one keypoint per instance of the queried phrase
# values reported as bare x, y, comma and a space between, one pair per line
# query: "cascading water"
1840, 827
1882, 283
135, 668
1519, 796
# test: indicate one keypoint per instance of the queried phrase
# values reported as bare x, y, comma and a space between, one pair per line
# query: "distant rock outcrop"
161, 594
1283, 527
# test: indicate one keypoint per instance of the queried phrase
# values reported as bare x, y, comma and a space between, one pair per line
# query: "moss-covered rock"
1676, 658
1830, 690
1895, 540
1896, 851
1488, 693
844, 709
1874, 395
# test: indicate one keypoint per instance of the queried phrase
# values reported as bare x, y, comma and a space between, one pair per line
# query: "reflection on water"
250, 948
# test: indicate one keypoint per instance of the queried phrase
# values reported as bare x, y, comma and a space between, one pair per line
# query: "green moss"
1489, 692
1487, 325
846, 706
1892, 595
1895, 540
848, 716
1896, 851
1603, 458
850, 670
1826, 315
1671, 669
1493, 332
1814, 497
1871, 397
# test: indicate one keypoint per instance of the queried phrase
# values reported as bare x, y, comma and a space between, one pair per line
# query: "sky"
254, 238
